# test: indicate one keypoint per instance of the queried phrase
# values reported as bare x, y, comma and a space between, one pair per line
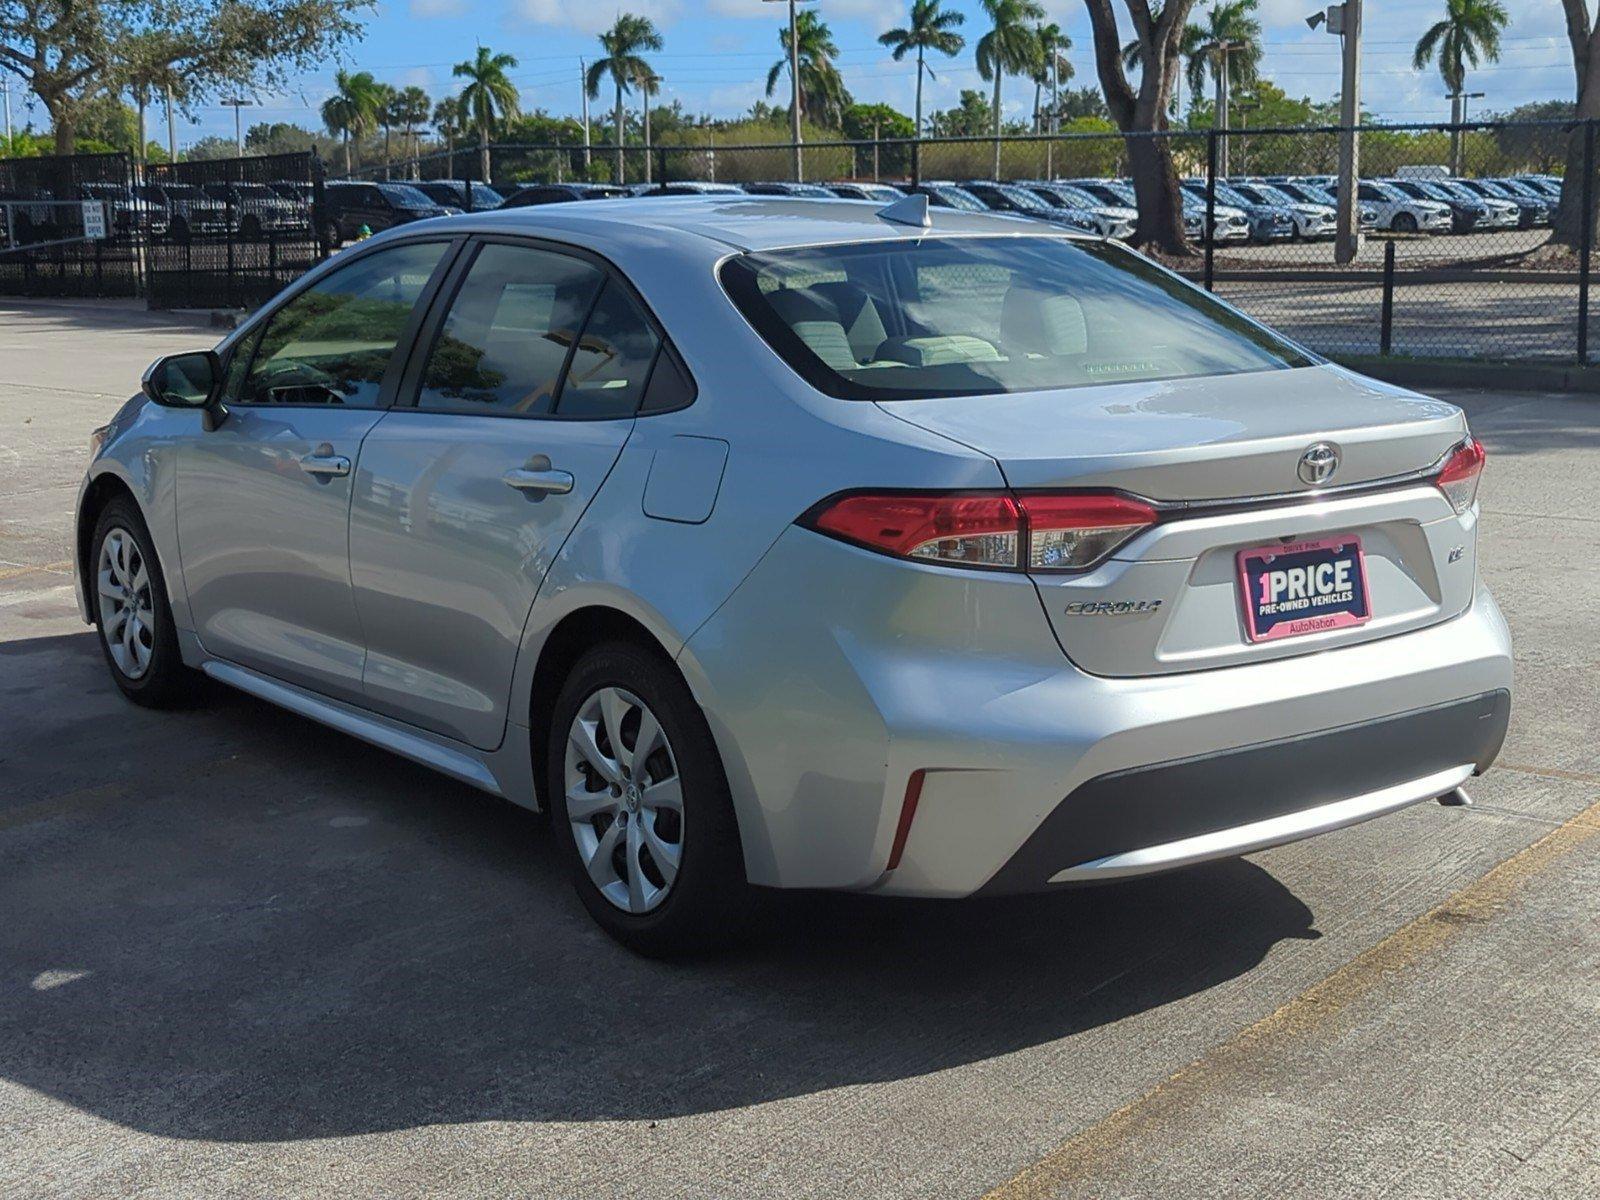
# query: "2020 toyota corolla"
802, 543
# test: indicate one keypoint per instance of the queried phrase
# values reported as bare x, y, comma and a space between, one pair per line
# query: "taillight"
1458, 478
1068, 531
1037, 531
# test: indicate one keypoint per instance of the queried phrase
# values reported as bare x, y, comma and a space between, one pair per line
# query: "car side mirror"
191, 380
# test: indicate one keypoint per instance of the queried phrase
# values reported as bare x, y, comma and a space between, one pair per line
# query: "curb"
1466, 373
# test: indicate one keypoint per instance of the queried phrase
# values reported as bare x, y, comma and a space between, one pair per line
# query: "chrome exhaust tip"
1456, 798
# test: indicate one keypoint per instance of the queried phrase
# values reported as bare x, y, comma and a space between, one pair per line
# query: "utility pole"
5, 88
1244, 108
239, 104
583, 91
794, 88
1222, 50
172, 129
1458, 117
1345, 20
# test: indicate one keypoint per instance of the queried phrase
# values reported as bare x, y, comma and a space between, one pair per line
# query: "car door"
263, 500
513, 418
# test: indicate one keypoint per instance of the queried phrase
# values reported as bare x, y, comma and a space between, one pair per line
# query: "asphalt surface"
244, 956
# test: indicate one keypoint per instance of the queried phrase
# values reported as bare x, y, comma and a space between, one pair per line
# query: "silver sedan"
810, 544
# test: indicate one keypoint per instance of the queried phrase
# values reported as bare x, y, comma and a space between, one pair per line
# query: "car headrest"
1042, 322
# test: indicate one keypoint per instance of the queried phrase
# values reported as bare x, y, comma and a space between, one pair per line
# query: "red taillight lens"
1458, 479
1068, 532
974, 530
1040, 531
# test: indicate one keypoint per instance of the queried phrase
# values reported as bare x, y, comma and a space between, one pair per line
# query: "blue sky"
717, 53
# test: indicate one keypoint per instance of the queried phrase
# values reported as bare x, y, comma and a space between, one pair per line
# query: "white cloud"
588, 18
425, 9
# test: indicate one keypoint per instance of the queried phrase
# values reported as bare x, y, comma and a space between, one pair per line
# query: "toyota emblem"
1318, 464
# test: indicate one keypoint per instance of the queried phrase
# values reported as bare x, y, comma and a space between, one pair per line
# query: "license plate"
1295, 588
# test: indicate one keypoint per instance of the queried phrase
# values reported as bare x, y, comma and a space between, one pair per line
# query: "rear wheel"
641, 805
137, 635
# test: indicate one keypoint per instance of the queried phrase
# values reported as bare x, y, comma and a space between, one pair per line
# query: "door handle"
324, 463
526, 479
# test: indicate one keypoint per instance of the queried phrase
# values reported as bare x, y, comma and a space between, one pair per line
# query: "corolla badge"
1318, 463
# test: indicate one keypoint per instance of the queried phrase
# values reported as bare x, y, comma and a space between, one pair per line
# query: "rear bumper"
1172, 814
1027, 766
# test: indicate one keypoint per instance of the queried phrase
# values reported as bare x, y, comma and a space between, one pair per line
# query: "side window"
510, 326
612, 361
670, 386
332, 343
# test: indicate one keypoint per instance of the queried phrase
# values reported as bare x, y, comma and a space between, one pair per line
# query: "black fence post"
319, 208
1386, 324
661, 169
1586, 243
1210, 230
916, 161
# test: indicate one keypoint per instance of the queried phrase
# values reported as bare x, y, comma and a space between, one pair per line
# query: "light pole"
583, 92
794, 88
238, 105
1458, 117
1345, 20
1244, 108
1221, 50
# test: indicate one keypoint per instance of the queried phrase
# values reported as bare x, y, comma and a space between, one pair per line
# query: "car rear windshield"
904, 320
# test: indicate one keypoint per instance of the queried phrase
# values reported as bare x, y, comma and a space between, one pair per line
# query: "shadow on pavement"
229, 923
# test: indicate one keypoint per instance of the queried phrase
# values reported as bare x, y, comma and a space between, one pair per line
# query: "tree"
385, 116
70, 52
447, 124
1050, 70
1188, 45
1469, 33
931, 28
971, 117
488, 99
1141, 113
623, 43
1010, 45
352, 111
823, 96
410, 111
648, 82
1583, 36
1538, 147
1076, 103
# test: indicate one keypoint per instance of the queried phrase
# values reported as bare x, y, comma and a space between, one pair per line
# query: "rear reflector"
1037, 531
1458, 478
908, 813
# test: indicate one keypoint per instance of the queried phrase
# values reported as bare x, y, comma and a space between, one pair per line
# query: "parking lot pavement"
241, 955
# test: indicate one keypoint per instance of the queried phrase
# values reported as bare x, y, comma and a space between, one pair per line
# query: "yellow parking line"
1137, 1122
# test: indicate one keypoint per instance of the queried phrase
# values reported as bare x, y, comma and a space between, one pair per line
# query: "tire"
178, 230
250, 228
1404, 223
330, 235
147, 665
654, 908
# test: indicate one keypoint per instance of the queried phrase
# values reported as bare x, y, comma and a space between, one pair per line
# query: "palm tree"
411, 108
623, 43
385, 116
1050, 69
1010, 45
822, 91
648, 82
489, 97
447, 121
931, 28
352, 110
1469, 33
1228, 46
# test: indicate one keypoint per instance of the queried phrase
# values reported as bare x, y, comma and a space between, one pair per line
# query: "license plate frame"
1277, 609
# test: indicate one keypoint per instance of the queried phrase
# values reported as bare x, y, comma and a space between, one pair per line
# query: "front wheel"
1405, 223
131, 612
641, 805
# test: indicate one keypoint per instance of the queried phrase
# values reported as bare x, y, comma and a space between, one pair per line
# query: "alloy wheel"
127, 612
624, 800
